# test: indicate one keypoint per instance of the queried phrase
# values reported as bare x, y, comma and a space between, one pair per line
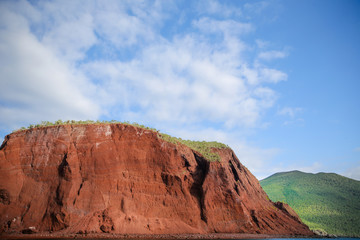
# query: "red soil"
115, 178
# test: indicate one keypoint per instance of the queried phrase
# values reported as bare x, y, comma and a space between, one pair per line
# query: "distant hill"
324, 201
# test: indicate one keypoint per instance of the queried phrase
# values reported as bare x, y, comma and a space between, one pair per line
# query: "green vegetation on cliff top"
205, 148
324, 201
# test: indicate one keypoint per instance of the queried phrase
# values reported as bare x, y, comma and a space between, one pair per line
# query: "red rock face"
122, 179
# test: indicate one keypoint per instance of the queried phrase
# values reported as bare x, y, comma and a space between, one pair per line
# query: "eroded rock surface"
117, 178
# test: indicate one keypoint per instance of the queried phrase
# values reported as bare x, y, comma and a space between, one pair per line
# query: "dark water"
338, 238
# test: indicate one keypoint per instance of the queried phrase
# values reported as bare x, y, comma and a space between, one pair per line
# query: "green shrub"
205, 148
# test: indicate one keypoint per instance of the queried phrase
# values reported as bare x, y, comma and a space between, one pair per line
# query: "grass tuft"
205, 148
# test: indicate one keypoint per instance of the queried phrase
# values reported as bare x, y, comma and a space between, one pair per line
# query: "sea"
316, 238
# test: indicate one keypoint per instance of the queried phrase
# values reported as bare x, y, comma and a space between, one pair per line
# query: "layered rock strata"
117, 178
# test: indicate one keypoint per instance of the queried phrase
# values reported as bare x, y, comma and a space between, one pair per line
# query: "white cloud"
260, 74
272, 75
292, 115
176, 73
205, 77
261, 44
290, 112
121, 29
89, 59
251, 75
35, 84
213, 7
71, 46
271, 55
353, 172
226, 27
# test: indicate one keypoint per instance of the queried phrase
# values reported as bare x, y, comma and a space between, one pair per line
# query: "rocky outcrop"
116, 178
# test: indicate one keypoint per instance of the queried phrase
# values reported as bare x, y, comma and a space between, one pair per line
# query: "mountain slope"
324, 201
119, 178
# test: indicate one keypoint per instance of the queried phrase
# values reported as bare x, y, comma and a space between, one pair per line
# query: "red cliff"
121, 179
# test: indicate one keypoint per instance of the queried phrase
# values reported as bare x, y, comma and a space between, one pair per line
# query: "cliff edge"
117, 178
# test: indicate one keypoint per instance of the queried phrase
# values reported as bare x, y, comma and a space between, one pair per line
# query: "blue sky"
278, 81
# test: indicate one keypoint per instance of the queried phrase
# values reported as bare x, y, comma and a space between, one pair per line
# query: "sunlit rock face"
118, 178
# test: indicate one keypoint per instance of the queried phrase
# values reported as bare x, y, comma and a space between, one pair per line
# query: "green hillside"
324, 201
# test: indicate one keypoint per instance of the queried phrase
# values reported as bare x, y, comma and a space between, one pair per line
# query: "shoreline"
150, 236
